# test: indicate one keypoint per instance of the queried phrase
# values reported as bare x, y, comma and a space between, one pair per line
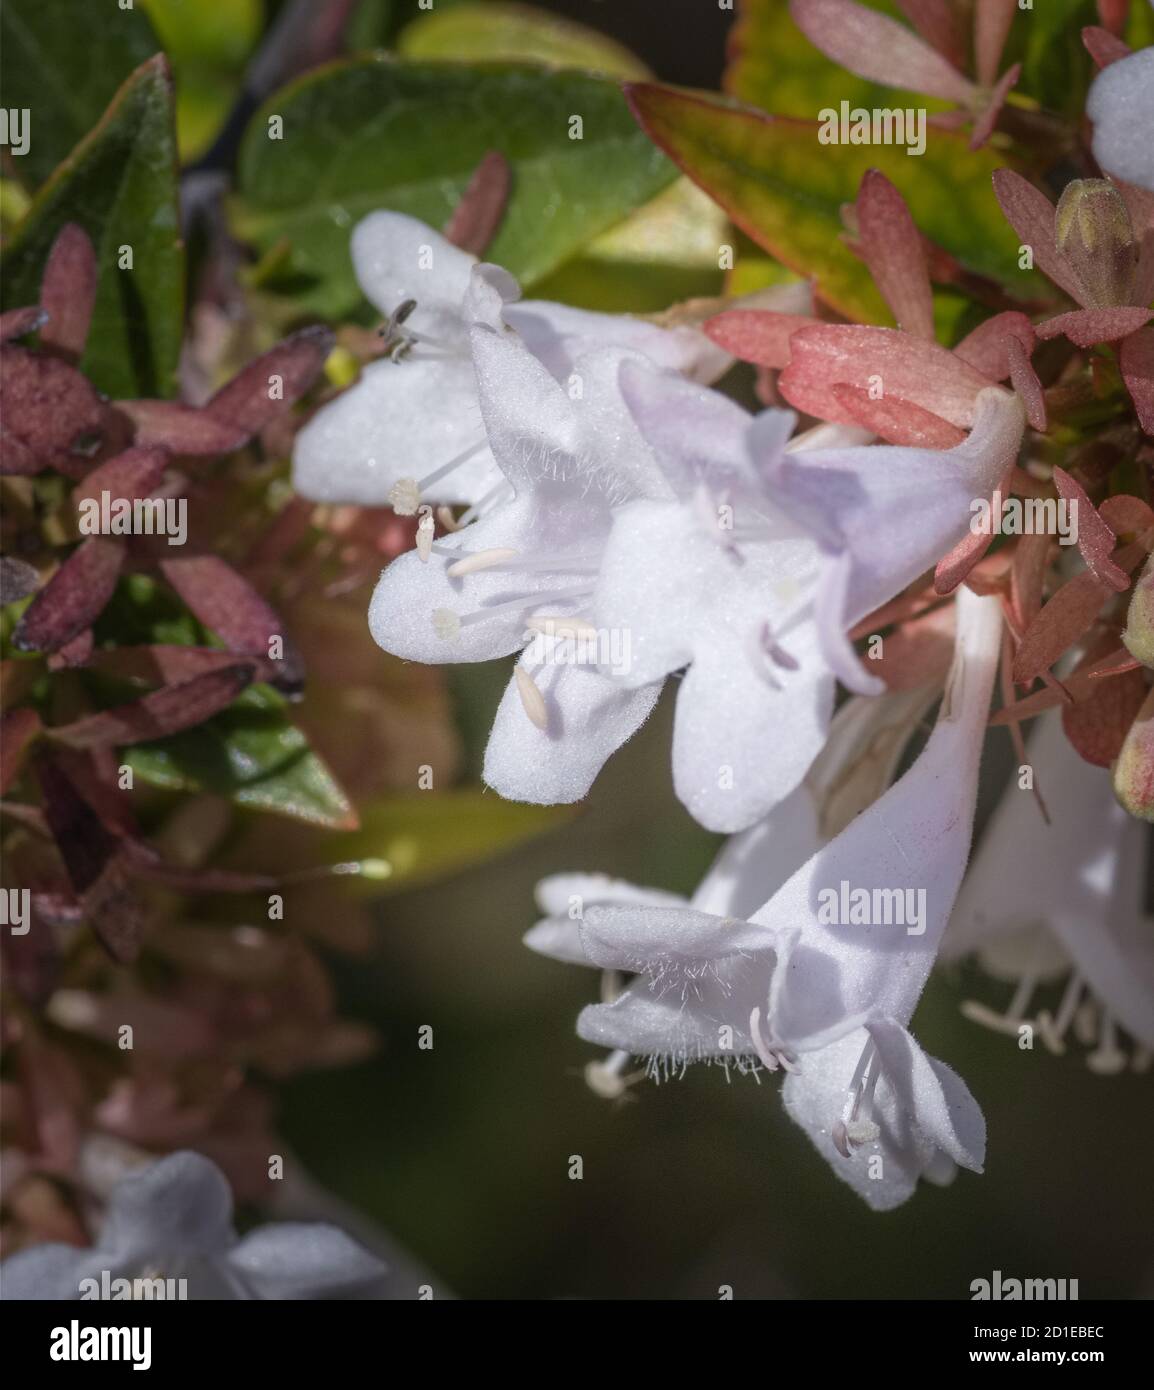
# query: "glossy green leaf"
63, 64
785, 190
411, 839
120, 185
669, 250
253, 754
376, 133
515, 33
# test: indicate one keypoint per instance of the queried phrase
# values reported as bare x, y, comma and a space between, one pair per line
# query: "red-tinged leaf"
1104, 47
1065, 619
1006, 688
1134, 770
1125, 514
1031, 214
1025, 381
955, 567
985, 123
85, 846
16, 323
166, 711
478, 215
898, 421
1074, 690
228, 605
986, 349
1096, 541
18, 579
75, 652
922, 373
169, 665
68, 292
116, 912
1098, 725
273, 382
18, 730
181, 428
786, 189
1112, 664
1137, 364
898, 610
145, 861
52, 414
1028, 576
757, 335
1088, 327
920, 651
938, 23
892, 247
73, 598
879, 48
135, 473
95, 774
992, 20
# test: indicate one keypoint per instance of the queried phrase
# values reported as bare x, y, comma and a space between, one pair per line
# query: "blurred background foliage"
463, 1151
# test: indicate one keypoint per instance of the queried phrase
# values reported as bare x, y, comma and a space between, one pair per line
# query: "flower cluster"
591, 504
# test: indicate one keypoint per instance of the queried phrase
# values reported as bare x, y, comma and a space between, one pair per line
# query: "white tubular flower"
880, 1110
1044, 903
173, 1220
885, 514
752, 573
703, 965
410, 428
1121, 105
528, 566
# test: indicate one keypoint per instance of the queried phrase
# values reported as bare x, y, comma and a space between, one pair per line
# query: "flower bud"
1094, 233
1139, 634
1134, 770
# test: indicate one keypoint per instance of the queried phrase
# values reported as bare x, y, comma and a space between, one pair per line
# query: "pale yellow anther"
531, 698
482, 560
405, 497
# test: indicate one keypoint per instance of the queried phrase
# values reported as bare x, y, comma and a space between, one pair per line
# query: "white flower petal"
896, 511
1121, 105
397, 257
305, 1260
914, 841
589, 718
742, 744
400, 420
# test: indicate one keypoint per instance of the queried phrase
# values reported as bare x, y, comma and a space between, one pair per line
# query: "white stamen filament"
405, 494
448, 623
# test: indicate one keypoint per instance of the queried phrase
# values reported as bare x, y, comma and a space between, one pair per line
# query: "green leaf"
120, 185
252, 754
63, 63
785, 190
1056, 69
374, 133
773, 65
515, 33
208, 46
665, 252
411, 839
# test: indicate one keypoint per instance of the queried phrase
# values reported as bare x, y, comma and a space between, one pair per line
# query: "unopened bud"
1134, 770
1094, 233
1139, 634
